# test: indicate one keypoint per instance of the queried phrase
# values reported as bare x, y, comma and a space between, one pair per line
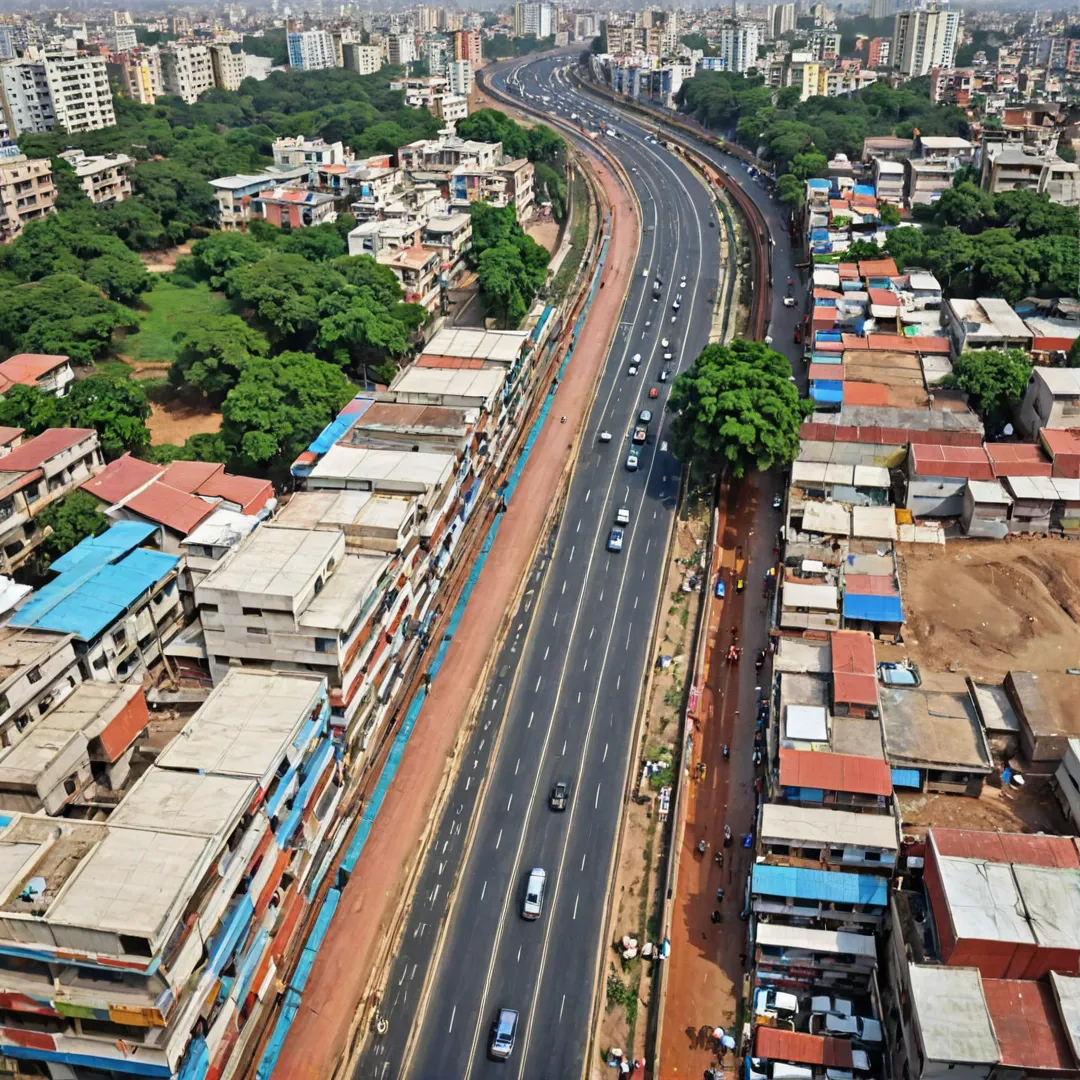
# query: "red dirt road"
707, 960
320, 1031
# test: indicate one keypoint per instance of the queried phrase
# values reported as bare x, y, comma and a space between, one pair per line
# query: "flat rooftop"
503, 346
346, 592
346, 510
935, 729
480, 386
780, 821
386, 470
22, 649
951, 1014
194, 804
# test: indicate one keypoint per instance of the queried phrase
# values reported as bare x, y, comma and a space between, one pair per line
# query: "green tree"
996, 380
737, 408
178, 194
215, 255
279, 405
863, 249
791, 192
134, 223
72, 519
319, 243
116, 408
29, 408
121, 278
213, 352
963, 207
889, 214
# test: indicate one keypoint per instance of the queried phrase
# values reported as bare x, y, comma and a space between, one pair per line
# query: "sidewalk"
320, 1031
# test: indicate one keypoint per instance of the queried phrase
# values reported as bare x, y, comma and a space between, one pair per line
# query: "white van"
862, 1029
534, 894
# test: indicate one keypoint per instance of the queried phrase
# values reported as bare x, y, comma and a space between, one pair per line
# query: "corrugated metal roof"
778, 1044
1026, 848
34, 454
834, 772
871, 584
120, 478
170, 507
876, 609
802, 883
852, 652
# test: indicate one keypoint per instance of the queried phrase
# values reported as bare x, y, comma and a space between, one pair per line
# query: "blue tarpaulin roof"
907, 778
101, 581
827, 358
827, 393
817, 183
828, 335
880, 609
864, 189
802, 883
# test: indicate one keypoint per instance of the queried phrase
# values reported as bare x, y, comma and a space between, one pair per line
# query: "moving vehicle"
677, 302
622, 515
668, 357
615, 540
560, 796
632, 461
777, 502
645, 416
721, 589
605, 436
664, 343
503, 1034
653, 392
789, 301
534, 893
632, 370
640, 435
663, 376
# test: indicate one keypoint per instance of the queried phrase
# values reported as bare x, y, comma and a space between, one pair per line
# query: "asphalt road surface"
578, 672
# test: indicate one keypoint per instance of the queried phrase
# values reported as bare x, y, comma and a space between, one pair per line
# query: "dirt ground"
545, 232
161, 262
983, 607
637, 886
1032, 808
174, 422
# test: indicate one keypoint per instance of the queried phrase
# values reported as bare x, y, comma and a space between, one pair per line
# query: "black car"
560, 795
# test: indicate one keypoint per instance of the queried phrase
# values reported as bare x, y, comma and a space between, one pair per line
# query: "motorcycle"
701, 847
727, 836
725, 751
718, 858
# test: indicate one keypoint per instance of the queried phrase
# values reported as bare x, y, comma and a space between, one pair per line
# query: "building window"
324, 644
252, 611
211, 608
34, 675
258, 631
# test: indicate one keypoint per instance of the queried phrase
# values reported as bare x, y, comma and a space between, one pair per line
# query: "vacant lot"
164, 310
982, 607
175, 421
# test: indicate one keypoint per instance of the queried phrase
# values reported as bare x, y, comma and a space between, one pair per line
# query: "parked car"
776, 1003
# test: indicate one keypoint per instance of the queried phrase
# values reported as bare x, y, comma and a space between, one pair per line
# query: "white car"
622, 515
789, 301
668, 357
632, 370
605, 436
664, 342
663, 376
632, 461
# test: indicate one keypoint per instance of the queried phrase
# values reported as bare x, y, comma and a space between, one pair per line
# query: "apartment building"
363, 59
38, 669
923, 39
459, 77
311, 49
289, 152
119, 601
45, 90
104, 177
236, 194
51, 373
739, 45
294, 208
400, 50
161, 932
187, 71
140, 75
1007, 169
34, 475
468, 46
229, 68
417, 269
27, 193
780, 18
449, 108
435, 54
445, 154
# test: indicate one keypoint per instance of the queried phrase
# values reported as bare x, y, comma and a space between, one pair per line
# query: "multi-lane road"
562, 703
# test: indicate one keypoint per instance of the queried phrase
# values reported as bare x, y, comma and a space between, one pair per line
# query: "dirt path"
705, 972
319, 1033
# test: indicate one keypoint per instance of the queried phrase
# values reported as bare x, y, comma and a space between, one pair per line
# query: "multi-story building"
63, 89
123, 38
229, 68
881, 9
400, 50
363, 59
34, 475
459, 77
537, 19
435, 54
104, 177
449, 108
878, 52
739, 45
311, 49
1007, 169
27, 193
235, 194
294, 208
780, 19
468, 46
924, 38
289, 152
38, 669
140, 75
187, 71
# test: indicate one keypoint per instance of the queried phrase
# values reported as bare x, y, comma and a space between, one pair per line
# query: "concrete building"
1009, 169
417, 268
66, 89
229, 68
35, 475
236, 194
311, 49
299, 150
140, 75
294, 208
38, 669
400, 50
459, 77
450, 108
985, 323
739, 45
1052, 400
467, 46
119, 601
27, 193
51, 373
363, 59
924, 38
780, 18
103, 177
187, 71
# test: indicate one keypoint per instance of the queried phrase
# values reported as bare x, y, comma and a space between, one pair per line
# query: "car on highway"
533, 904
632, 369
789, 301
639, 436
622, 515
677, 302
645, 416
605, 436
615, 540
632, 461
668, 357
664, 376
664, 343
503, 1034
654, 392
560, 796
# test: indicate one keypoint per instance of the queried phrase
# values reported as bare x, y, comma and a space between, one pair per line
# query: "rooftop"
26, 368
812, 825
22, 649
386, 470
36, 451
478, 386
989, 317
835, 772
501, 345
926, 728
778, 1044
951, 1014
121, 478
830, 886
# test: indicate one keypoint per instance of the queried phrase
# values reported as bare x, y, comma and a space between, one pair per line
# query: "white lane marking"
576, 899
585, 666
452, 1015
547, 650
563, 590
483, 891
538, 680
578, 529
618, 681
509, 802
519, 954
531, 715
596, 801
517, 765
604, 758
498, 840
587, 494
564, 748
647, 545
582, 862
561, 1006
572, 550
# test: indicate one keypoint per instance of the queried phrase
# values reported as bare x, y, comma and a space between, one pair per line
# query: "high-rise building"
363, 59
311, 49
228, 67
187, 70
140, 75
877, 54
435, 53
467, 46
400, 49
26, 193
781, 19
924, 39
739, 45
123, 38
459, 77
427, 18
7, 44
46, 90
882, 9
537, 19
586, 27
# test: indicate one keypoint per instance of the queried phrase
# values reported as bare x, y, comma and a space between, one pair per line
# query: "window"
811, 853
258, 631
70, 785
872, 856
34, 675
211, 608
779, 849
252, 611
324, 644
836, 853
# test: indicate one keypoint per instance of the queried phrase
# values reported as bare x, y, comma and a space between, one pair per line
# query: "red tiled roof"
835, 772
168, 506
854, 341
246, 492
778, 1044
1017, 459
434, 360
883, 296
870, 585
855, 689
865, 393
120, 478
18, 480
34, 454
877, 268
1029, 849
26, 368
828, 294
852, 652
932, 343
1060, 441
9, 434
936, 459
190, 475
848, 271
826, 371
1027, 1023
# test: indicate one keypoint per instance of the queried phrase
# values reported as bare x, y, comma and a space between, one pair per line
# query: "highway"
572, 672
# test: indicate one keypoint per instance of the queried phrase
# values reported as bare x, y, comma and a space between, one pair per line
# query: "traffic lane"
487, 835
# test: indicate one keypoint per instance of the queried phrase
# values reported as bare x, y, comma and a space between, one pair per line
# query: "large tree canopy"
996, 380
737, 408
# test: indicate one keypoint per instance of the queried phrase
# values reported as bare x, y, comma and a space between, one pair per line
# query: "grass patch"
115, 369
618, 993
579, 238
166, 309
